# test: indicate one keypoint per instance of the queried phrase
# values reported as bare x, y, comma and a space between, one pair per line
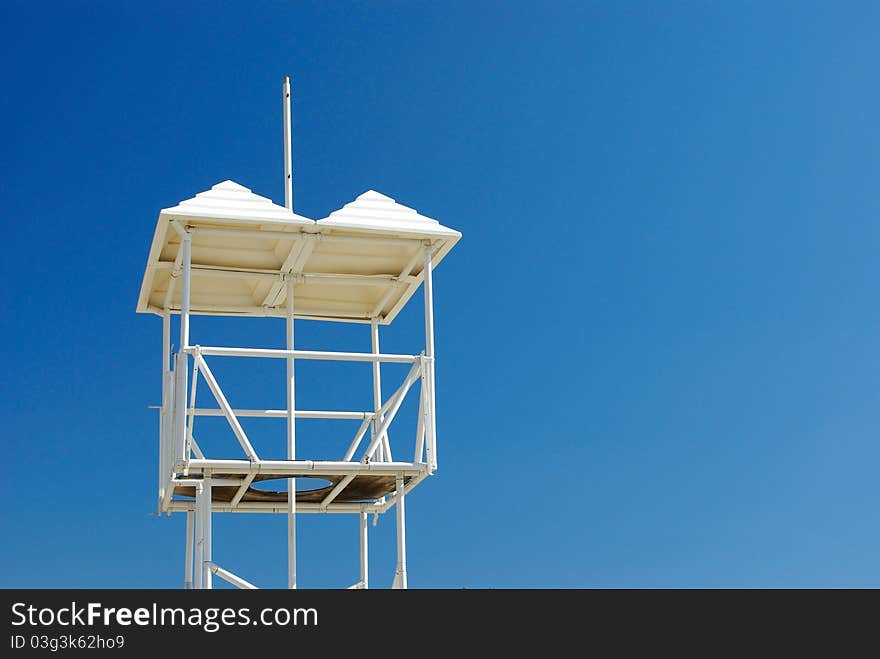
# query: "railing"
180, 452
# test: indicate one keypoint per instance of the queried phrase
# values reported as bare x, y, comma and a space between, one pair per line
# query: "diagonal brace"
227, 409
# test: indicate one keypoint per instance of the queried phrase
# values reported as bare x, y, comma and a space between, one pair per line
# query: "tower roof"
361, 262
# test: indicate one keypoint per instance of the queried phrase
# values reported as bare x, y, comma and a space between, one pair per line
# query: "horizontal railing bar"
282, 414
180, 505
321, 355
294, 468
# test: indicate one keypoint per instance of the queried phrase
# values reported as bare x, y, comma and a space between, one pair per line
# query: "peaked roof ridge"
377, 200
374, 211
231, 200
237, 196
374, 194
229, 189
229, 184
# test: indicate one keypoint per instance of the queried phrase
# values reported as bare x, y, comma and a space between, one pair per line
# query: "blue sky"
656, 342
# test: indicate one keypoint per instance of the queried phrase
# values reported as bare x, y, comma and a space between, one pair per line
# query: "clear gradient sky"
657, 341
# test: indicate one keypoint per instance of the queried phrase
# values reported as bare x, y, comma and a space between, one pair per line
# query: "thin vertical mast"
291, 415
288, 157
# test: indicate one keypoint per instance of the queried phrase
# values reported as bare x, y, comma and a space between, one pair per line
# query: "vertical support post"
288, 147
385, 447
181, 365
186, 263
188, 558
164, 451
205, 567
365, 565
400, 572
166, 345
431, 420
199, 536
291, 442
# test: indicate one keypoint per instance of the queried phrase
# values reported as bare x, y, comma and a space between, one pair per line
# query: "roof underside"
363, 261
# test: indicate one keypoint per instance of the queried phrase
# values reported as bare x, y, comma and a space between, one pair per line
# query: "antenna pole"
291, 416
291, 443
288, 160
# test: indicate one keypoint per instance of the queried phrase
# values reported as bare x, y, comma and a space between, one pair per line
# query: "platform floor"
361, 488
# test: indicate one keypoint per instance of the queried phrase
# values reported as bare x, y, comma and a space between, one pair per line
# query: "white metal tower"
230, 252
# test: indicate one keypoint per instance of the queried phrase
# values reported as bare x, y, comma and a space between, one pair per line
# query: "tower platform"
363, 489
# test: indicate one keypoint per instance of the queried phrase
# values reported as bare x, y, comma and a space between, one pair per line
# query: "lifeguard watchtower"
230, 252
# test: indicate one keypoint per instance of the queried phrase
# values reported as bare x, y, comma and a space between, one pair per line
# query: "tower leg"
365, 568
400, 572
198, 537
188, 559
206, 541
203, 572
